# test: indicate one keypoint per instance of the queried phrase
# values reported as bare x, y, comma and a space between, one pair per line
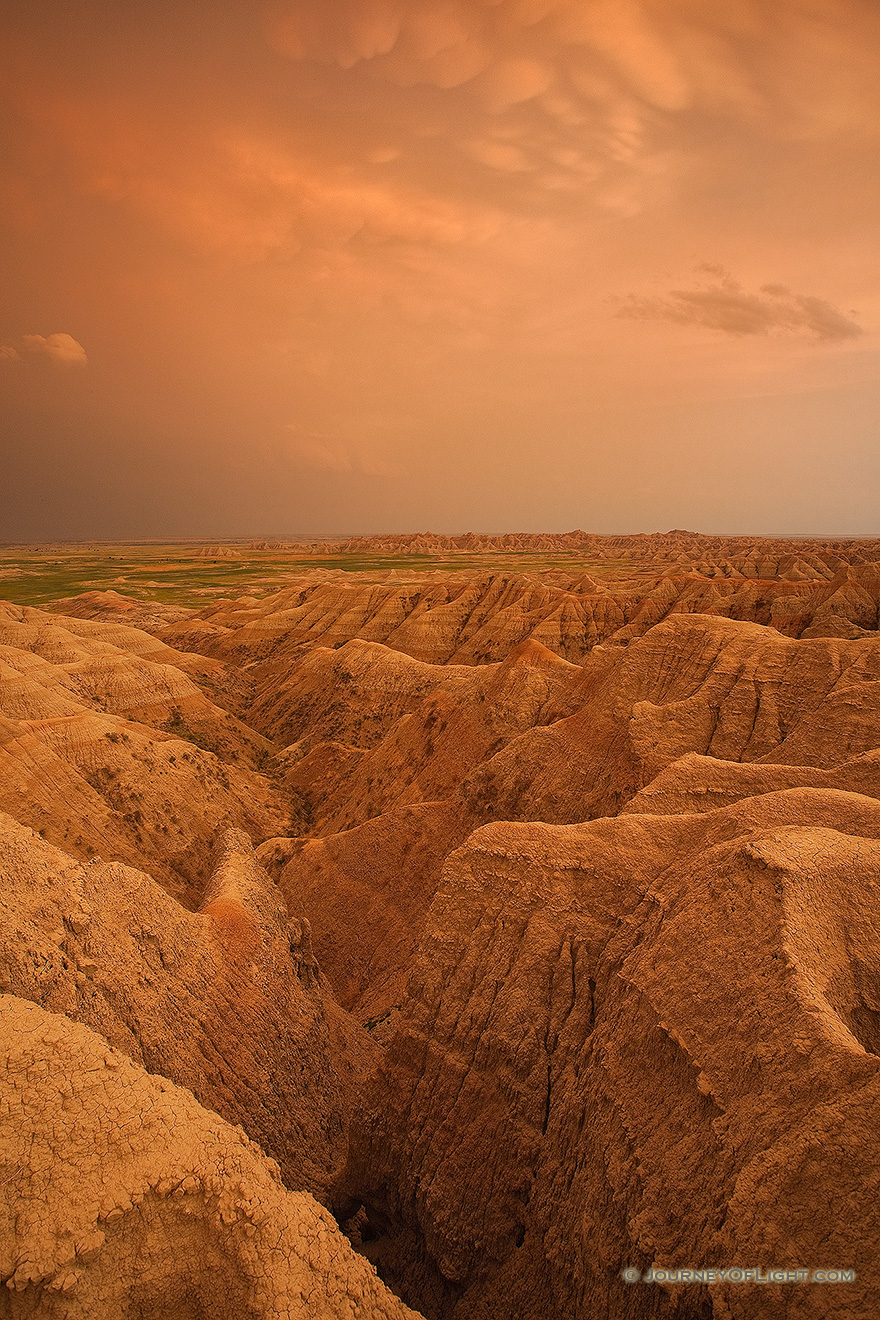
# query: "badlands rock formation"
109, 747
503, 928
640, 1040
107, 604
477, 620
227, 1001
130, 1199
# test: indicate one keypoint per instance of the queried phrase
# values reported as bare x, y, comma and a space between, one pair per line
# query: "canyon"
442, 930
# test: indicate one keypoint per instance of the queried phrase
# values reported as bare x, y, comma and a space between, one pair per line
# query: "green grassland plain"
182, 574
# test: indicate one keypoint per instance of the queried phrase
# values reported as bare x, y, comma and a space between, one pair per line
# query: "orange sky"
366, 265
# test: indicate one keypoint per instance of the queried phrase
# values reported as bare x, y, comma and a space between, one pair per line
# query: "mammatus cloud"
728, 307
61, 349
781, 62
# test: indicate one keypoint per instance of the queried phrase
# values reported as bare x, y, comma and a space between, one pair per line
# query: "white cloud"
62, 349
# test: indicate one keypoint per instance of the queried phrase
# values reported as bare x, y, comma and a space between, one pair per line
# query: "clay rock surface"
593, 857
122, 1196
54, 638
730, 690
638, 1040
353, 695
703, 783
101, 786
227, 1001
118, 752
747, 556
699, 713
412, 731
118, 670
459, 622
827, 591
366, 892
106, 605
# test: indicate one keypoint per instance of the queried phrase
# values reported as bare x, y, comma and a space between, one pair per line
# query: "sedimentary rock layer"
122, 1196
478, 620
226, 1001
640, 1040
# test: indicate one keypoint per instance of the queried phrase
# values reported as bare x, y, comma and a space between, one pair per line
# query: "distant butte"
442, 936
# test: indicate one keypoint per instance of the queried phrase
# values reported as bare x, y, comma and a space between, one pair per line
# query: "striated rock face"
105, 788
476, 620
642, 1040
366, 893
558, 1080
353, 695
122, 1196
136, 613
416, 730
226, 1001
109, 747
698, 713
52, 667
733, 691
749, 556
69, 638
702, 783
459, 622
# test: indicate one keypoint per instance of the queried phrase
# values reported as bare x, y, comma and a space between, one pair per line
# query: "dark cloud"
728, 307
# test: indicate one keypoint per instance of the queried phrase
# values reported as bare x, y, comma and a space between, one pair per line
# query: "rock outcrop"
366, 893
118, 752
227, 1001
122, 1196
699, 713
120, 671
734, 691
416, 730
148, 615
643, 1040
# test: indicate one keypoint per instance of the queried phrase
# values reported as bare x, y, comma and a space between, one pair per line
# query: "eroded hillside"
511, 928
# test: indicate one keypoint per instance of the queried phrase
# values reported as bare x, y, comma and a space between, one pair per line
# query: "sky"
316, 266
